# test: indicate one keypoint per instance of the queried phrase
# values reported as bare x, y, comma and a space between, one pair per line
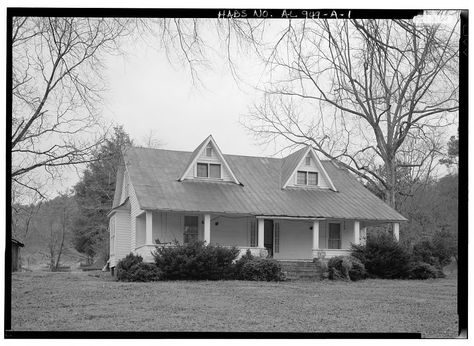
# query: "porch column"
396, 231
260, 228
207, 228
149, 228
356, 233
315, 234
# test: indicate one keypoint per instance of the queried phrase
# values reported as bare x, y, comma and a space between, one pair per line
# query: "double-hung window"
190, 229
334, 239
307, 178
209, 170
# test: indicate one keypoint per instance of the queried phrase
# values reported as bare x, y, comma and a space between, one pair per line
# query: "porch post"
260, 233
207, 228
396, 230
356, 232
149, 227
315, 234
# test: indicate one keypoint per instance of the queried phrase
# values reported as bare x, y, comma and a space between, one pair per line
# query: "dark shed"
16, 259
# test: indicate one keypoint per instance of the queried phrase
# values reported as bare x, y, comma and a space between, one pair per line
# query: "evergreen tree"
94, 195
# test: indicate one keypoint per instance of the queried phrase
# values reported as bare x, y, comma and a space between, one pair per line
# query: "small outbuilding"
16, 258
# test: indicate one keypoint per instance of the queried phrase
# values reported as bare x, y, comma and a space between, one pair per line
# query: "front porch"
282, 238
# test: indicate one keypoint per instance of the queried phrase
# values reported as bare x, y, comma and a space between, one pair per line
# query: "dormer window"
308, 160
208, 170
307, 178
209, 150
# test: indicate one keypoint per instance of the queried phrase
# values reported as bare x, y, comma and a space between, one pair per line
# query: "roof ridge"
237, 155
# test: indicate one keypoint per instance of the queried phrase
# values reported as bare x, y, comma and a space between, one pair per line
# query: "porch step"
299, 270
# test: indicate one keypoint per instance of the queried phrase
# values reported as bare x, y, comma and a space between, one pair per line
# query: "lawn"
91, 302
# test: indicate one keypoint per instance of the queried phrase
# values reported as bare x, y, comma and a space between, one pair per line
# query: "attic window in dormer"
308, 160
208, 170
209, 150
307, 178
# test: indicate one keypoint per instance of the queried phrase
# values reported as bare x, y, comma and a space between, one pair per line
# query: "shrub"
125, 264
383, 257
143, 272
261, 269
424, 251
196, 261
423, 271
240, 263
345, 267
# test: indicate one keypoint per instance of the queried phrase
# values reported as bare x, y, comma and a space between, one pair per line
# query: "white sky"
147, 93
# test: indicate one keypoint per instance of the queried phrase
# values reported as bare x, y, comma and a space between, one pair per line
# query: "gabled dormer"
208, 164
303, 169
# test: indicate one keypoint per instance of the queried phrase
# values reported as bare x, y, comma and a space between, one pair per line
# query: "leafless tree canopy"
368, 93
58, 66
57, 84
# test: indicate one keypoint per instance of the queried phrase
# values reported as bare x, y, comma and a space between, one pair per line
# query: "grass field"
91, 302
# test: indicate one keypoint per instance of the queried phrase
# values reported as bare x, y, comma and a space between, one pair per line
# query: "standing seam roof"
154, 172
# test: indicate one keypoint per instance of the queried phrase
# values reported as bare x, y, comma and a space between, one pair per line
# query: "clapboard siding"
122, 236
119, 236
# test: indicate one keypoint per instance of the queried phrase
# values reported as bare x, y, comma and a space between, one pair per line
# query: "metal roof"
153, 174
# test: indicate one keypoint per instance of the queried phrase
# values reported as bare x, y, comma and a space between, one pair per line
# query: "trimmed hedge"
196, 261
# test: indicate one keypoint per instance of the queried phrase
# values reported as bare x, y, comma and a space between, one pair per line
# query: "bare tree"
58, 66
374, 95
150, 140
59, 221
56, 88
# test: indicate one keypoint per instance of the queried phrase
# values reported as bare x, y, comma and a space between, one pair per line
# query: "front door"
268, 237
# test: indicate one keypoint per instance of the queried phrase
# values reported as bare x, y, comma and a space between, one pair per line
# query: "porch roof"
154, 176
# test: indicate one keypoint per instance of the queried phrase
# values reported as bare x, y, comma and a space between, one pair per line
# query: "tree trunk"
63, 229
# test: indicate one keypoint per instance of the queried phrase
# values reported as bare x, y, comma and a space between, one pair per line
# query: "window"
209, 170
215, 170
312, 178
301, 178
334, 239
190, 229
307, 178
209, 150
277, 237
308, 160
253, 234
202, 170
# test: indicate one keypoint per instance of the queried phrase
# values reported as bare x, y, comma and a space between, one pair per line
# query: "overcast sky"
147, 93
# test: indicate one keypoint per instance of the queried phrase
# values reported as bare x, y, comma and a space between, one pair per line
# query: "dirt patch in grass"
94, 301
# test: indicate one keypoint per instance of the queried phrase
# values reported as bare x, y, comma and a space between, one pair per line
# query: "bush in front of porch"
386, 258
133, 269
346, 268
253, 268
196, 261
